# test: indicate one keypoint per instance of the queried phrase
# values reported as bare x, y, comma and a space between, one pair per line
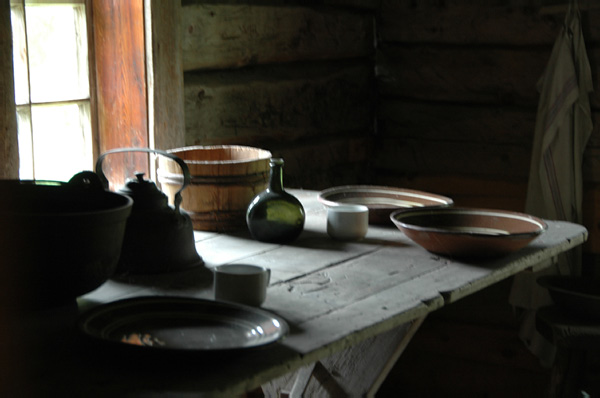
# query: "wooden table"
352, 308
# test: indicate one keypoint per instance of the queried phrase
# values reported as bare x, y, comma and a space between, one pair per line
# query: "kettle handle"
186, 172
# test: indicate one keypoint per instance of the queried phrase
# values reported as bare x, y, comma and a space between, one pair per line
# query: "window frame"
86, 101
164, 94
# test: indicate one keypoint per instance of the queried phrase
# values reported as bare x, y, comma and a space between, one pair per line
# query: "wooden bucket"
224, 179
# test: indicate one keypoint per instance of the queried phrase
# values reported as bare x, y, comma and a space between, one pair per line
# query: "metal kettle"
158, 238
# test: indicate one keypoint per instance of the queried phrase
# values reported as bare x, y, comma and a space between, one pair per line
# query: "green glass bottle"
274, 215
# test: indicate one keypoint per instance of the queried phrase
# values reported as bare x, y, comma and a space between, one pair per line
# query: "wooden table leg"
357, 371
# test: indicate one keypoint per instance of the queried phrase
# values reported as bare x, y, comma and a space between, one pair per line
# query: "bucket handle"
180, 162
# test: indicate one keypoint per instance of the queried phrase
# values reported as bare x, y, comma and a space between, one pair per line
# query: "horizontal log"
355, 4
466, 22
454, 121
243, 106
468, 158
464, 123
331, 161
230, 36
445, 156
360, 4
475, 75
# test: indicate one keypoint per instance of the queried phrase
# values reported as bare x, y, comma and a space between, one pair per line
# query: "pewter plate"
381, 200
182, 324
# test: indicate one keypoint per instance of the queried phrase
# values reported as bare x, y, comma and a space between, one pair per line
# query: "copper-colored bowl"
381, 200
469, 232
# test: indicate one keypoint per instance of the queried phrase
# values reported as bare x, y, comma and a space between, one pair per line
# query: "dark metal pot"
59, 240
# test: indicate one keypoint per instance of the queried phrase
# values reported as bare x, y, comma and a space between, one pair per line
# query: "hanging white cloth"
555, 189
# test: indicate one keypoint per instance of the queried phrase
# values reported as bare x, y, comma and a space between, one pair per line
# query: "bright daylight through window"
52, 90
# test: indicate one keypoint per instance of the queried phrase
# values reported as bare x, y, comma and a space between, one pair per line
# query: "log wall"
456, 115
432, 95
296, 80
458, 99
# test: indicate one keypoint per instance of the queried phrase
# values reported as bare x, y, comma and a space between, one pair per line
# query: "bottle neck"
276, 175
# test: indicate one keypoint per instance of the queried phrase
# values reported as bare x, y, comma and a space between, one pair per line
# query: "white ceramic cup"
347, 222
241, 283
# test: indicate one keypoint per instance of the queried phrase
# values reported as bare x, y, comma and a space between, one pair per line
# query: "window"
81, 86
52, 90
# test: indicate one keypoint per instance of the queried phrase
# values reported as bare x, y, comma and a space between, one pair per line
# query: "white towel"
555, 190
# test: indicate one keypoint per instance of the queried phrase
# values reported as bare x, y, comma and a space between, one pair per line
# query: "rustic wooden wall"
458, 99
456, 115
445, 102
296, 80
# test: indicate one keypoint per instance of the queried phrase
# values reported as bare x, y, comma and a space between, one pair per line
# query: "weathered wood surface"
166, 118
466, 22
271, 103
355, 371
296, 80
454, 158
339, 160
469, 49
485, 75
217, 36
9, 149
465, 75
121, 79
333, 294
468, 57
475, 22
456, 121
318, 117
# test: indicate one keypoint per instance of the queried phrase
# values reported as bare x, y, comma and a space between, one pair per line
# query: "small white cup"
347, 222
241, 283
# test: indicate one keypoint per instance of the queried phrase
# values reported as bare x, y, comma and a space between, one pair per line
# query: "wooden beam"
231, 36
9, 150
121, 84
166, 118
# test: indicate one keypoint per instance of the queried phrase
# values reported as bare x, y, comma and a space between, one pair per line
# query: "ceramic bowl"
468, 232
381, 200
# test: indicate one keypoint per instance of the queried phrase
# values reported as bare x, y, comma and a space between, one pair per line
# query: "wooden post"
121, 85
166, 119
11, 353
9, 148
